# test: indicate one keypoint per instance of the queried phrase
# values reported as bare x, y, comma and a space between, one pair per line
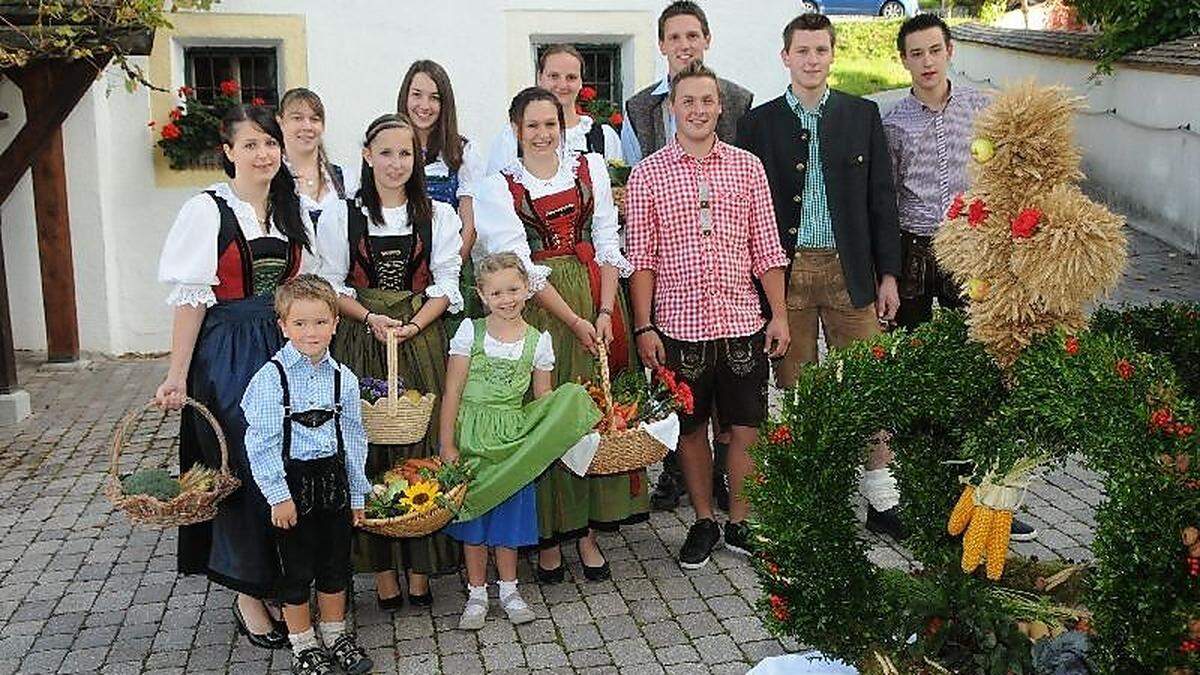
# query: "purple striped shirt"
929, 151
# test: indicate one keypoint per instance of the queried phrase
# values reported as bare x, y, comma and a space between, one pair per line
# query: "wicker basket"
417, 524
625, 450
189, 507
393, 420
618, 193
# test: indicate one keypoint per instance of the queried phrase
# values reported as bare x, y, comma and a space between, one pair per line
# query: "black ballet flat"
554, 576
392, 604
423, 600
272, 639
600, 572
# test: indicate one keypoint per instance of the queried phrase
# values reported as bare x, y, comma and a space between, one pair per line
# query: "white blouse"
469, 172
349, 185
464, 339
500, 229
504, 146
189, 255
444, 259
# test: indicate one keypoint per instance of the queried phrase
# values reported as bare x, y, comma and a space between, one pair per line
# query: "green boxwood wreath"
1110, 395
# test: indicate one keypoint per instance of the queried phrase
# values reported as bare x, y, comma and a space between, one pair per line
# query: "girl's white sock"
477, 593
302, 641
507, 588
331, 631
879, 487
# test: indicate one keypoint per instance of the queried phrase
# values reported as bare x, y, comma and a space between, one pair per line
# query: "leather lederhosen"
316, 484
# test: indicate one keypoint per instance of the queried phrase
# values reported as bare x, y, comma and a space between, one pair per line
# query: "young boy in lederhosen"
307, 450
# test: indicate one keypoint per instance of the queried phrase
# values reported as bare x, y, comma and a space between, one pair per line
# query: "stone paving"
82, 591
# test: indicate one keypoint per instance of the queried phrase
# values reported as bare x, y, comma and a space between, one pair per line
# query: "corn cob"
961, 515
976, 537
997, 543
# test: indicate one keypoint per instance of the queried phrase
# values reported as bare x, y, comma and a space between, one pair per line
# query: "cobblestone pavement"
82, 591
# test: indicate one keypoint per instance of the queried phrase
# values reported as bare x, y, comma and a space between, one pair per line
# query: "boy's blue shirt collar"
290, 356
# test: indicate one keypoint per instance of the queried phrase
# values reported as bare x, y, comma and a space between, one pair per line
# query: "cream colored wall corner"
284, 31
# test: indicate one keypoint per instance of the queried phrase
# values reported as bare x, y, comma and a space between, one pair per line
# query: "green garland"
951, 411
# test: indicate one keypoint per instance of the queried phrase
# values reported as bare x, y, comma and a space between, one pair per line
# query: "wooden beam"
51, 91
54, 251
8, 359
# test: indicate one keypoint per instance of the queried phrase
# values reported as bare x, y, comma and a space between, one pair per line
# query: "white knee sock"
302, 641
879, 487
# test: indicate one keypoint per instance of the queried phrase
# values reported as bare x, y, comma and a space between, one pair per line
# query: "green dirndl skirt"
569, 504
422, 367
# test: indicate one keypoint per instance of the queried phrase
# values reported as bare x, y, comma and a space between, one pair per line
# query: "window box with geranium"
191, 136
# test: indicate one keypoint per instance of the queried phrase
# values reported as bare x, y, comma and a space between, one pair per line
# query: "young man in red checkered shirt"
699, 225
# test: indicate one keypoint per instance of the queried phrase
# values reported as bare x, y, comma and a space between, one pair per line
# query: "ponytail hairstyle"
302, 96
516, 111
420, 209
444, 140
283, 206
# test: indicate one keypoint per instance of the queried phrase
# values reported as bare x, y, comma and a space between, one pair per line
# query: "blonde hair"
304, 287
496, 262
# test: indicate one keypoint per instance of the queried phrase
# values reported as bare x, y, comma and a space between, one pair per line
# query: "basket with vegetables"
391, 414
633, 410
155, 498
415, 498
618, 175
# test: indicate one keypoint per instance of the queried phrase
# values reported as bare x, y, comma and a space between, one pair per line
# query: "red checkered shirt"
703, 288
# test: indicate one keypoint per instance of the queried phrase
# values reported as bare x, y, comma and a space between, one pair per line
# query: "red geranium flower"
230, 88
616, 119
1026, 223
956, 207
1124, 369
977, 213
587, 94
170, 131
258, 100
683, 396
667, 377
175, 114
878, 352
781, 435
1072, 345
186, 91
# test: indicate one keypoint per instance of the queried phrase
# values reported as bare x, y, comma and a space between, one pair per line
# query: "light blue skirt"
511, 524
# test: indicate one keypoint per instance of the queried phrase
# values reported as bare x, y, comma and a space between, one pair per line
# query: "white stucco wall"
357, 52
1151, 173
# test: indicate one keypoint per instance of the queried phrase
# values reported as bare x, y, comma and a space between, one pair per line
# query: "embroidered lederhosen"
560, 224
249, 268
316, 484
392, 262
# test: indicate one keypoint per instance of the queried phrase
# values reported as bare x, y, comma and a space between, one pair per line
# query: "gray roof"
1177, 56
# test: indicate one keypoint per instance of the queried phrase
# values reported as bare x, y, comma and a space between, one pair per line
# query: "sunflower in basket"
417, 485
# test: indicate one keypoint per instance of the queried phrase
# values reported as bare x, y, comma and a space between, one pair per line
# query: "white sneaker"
517, 610
474, 615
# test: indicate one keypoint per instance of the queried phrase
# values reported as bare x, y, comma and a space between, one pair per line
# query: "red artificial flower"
175, 114
773, 569
667, 377
171, 132
1124, 369
587, 94
258, 100
1072, 345
878, 352
1160, 418
977, 213
683, 396
1185, 430
186, 91
616, 119
779, 608
230, 88
1026, 223
781, 435
956, 207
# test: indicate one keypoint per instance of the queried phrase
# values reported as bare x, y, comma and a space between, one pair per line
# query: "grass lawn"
865, 59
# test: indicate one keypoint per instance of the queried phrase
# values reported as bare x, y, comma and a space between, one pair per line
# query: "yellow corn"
997, 544
961, 515
976, 538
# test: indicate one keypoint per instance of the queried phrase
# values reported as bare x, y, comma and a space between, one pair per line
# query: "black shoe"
554, 576
352, 658
886, 522
314, 661
392, 604
272, 639
667, 492
1022, 531
423, 600
739, 539
600, 572
702, 538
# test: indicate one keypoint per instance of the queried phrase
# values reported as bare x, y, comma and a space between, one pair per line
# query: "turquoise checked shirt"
816, 228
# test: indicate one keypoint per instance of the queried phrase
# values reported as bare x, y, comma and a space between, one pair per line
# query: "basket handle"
126, 424
393, 371
605, 383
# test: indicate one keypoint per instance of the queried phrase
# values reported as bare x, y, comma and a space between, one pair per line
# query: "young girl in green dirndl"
504, 441
393, 256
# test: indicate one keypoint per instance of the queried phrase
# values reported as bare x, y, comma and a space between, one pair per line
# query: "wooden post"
54, 251
8, 360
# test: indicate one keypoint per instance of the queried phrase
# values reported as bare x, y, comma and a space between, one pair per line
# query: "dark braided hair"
283, 206
420, 209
